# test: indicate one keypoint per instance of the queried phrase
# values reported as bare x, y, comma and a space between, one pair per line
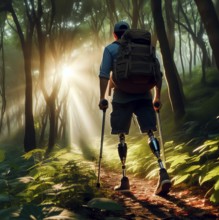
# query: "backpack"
136, 69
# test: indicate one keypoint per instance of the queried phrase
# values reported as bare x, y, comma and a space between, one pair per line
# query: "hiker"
126, 103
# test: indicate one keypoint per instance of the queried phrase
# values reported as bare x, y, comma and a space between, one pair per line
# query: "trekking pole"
105, 103
160, 133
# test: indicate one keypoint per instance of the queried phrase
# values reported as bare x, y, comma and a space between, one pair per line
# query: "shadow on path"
140, 203
170, 208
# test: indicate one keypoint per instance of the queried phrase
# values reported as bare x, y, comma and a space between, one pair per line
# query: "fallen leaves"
141, 201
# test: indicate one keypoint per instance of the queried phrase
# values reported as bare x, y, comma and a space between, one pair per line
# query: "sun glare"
67, 71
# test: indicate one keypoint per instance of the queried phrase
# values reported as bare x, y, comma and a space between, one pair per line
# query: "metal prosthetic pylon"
155, 148
122, 150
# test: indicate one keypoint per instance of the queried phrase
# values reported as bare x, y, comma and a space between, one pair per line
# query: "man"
124, 105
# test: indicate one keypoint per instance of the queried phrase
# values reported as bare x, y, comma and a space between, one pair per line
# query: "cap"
121, 26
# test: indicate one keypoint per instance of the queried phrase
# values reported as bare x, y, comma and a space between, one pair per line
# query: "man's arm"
157, 90
157, 93
103, 87
104, 75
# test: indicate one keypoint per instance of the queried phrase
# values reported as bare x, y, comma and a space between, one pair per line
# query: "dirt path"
141, 203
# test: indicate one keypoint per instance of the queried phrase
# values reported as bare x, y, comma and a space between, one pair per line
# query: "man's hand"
157, 104
103, 104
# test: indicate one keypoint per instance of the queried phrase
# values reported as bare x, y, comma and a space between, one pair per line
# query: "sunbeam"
82, 111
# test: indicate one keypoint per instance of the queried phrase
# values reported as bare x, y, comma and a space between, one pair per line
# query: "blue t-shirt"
109, 55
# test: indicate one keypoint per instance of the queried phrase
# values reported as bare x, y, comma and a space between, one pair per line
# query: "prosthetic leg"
164, 183
155, 147
122, 150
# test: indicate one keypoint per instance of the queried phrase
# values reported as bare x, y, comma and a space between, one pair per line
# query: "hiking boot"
124, 185
164, 183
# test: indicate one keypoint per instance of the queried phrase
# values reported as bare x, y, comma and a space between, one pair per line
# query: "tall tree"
2, 70
197, 36
211, 23
180, 41
26, 36
44, 24
137, 5
97, 15
113, 17
217, 7
170, 24
56, 26
175, 94
133, 8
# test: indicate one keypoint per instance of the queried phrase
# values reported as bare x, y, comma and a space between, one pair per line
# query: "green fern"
199, 165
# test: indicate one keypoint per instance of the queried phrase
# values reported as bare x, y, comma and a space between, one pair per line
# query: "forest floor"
141, 202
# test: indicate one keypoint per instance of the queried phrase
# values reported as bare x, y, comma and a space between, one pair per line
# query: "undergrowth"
33, 184
195, 165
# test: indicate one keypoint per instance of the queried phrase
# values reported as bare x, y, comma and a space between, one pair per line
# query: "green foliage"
31, 211
40, 184
140, 158
198, 165
61, 180
201, 103
200, 97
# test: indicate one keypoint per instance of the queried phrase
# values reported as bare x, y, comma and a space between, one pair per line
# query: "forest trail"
142, 203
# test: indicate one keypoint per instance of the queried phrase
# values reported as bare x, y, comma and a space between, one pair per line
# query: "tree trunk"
204, 61
190, 60
217, 7
135, 13
2, 81
50, 99
180, 43
176, 97
195, 53
52, 126
44, 120
170, 25
112, 14
29, 135
211, 24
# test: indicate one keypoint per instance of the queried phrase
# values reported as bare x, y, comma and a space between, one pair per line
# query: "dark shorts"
121, 116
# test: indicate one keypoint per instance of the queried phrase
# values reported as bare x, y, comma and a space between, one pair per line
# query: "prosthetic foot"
164, 183
124, 185
122, 150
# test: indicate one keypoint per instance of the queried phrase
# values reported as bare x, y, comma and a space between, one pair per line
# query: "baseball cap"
121, 26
